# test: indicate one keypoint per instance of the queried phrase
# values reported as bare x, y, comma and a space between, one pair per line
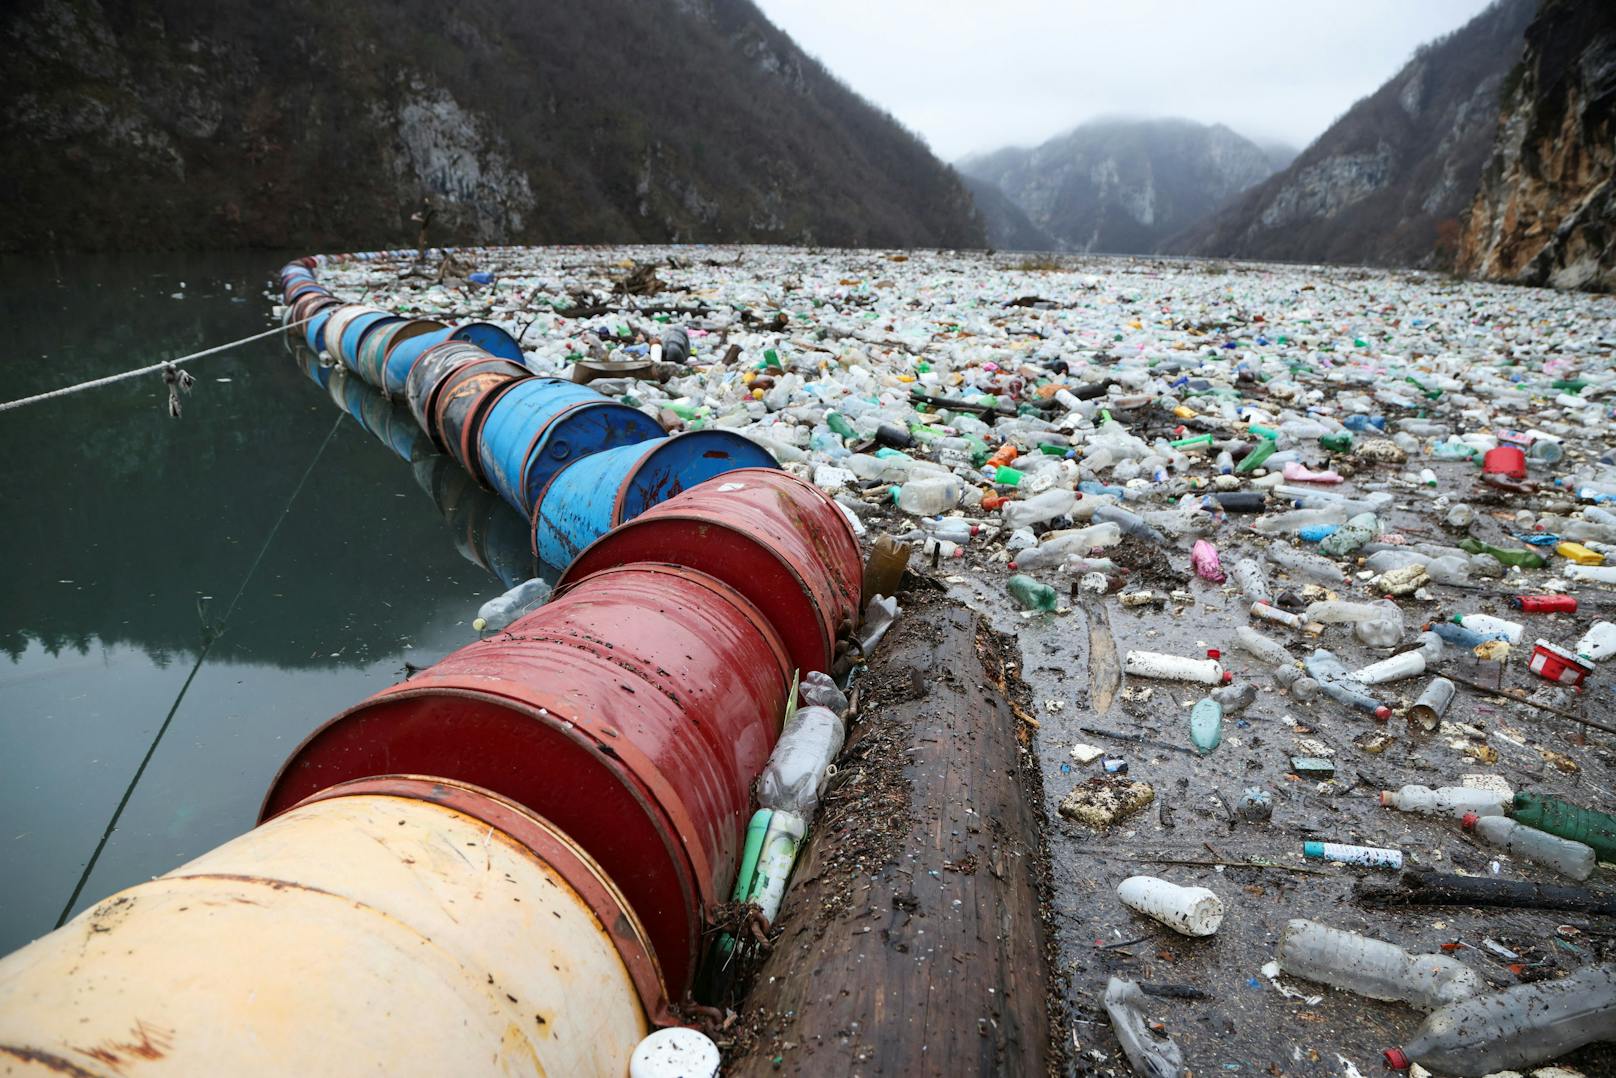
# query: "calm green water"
314, 556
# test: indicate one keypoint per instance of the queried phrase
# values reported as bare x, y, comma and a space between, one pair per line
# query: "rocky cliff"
313, 126
1388, 182
1118, 186
1545, 212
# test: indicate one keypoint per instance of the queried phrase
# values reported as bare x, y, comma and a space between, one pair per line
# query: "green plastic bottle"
1031, 595
1453, 451
1526, 559
1192, 441
838, 423
1596, 829
1007, 476
1253, 460
1339, 442
1206, 725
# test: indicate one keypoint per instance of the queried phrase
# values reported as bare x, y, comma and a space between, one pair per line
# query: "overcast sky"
974, 75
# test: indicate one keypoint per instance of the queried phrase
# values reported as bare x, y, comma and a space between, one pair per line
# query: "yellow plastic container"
1580, 554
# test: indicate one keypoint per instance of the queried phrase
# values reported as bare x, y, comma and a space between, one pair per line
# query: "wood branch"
1422, 888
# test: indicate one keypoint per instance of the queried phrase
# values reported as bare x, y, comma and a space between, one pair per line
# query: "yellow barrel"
389, 926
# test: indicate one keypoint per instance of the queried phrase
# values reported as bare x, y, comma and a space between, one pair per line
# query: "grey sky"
974, 75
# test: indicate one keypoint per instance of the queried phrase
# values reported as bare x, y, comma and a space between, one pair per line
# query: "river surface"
204, 590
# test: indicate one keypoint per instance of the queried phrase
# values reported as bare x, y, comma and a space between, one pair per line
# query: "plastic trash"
1488, 624
797, 768
1454, 801
1153, 664
879, 615
1397, 668
785, 833
1235, 698
1590, 826
1029, 594
501, 610
675, 1052
1189, 911
1563, 855
929, 495
1518, 1027
1351, 535
1204, 559
1372, 967
1040, 509
1206, 725
1599, 642
1366, 856
1337, 683
1150, 1055
1433, 703
1268, 651
818, 689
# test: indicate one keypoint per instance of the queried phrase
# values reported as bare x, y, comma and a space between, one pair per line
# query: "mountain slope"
1545, 212
304, 125
1008, 228
1122, 186
1386, 184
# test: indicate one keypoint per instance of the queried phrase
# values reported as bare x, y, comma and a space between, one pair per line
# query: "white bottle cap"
675, 1052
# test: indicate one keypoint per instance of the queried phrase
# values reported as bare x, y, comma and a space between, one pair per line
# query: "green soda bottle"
1339, 442
1031, 595
836, 422
1596, 829
1526, 559
1006, 475
1253, 460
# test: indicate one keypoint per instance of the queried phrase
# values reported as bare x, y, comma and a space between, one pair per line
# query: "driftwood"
912, 940
1422, 888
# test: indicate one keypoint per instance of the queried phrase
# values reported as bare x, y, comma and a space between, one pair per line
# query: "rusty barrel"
341, 318
428, 374
490, 338
633, 713
593, 495
537, 426
462, 403
406, 347
414, 923
779, 541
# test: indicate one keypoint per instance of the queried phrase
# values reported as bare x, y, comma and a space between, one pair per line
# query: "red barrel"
1505, 460
781, 542
462, 402
633, 713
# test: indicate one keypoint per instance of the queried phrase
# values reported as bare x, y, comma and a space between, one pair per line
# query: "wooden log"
912, 941
1423, 888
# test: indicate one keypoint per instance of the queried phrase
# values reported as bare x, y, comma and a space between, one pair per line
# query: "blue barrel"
354, 333
539, 425
314, 329
490, 338
403, 354
595, 494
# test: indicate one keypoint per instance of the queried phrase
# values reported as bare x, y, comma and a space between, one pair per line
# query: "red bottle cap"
1213, 653
1385, 798
1468, 821
1228, 678
1396, 1060
1382, 713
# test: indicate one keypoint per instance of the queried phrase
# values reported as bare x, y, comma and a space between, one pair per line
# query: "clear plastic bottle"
1266, 649
1454, 801
1599, 642
1351, 535
929, 495
1307, 566
796, 770
1563, 855
1039, 509
1372, 967
951, 529
501, 610
1237, 697
1248, 577
818, 689
1148, 1054
1059, 546
1293, 522
1518, 1027
1130, 522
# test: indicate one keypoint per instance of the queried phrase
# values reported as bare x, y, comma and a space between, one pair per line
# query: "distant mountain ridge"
1117, 186
308, 126
1389, 182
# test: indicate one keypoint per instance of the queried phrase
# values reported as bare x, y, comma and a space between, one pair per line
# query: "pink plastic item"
1300, 473
1204, 559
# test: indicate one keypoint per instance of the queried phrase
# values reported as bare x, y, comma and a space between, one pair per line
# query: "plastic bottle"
879, 615
1563, 855
1454, 801
1405, 665
1235, 698
1059, 546
1518, 1027
676, 346
1031, 595
1487, 623
818, 689
1206, 725
1267, 650
1148, 1053
796, 770
1307, 566
775, 862
1189, 911
1270, 612
501, 610
1599, 642
1038, 509
950, 529
1596, 574
1367, 856
1338, 685
884, 569
1153, 664
1293, 522
1249, 578
1597, 829
929, 495
1204, 559
1351, 535
1131, 523
1372, 967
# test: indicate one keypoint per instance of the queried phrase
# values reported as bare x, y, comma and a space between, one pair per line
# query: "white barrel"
1189, 911
1153, 664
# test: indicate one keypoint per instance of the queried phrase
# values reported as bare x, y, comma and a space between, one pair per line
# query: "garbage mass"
1324, 544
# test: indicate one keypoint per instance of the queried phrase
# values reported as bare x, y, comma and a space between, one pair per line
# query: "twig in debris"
1510, 696
1100, 731
1424, 888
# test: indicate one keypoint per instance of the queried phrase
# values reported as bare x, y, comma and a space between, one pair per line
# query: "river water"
230, 578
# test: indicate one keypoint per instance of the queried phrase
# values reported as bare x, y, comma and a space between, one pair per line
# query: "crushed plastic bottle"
1372, 967
501, 610
1150, 1055
1029, 594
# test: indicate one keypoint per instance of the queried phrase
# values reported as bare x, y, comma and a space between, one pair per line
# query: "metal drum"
537, 426
591, 496
354, 334
406, 347
462, 403
428, 374
490, 338
779, 541
633, 713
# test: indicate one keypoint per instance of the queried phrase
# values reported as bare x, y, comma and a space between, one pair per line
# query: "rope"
210, 637
153, 369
